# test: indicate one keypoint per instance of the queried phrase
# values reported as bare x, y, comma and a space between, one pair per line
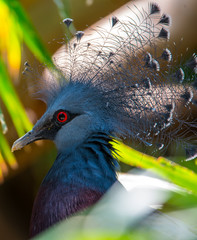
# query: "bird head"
74, 111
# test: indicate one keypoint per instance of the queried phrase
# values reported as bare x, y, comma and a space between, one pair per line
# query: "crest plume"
137, 89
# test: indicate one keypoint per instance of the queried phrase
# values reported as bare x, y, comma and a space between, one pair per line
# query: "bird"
125, 86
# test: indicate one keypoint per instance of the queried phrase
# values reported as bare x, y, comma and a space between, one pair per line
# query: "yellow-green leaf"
171, 171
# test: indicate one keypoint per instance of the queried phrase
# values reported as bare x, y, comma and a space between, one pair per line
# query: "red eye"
62, 117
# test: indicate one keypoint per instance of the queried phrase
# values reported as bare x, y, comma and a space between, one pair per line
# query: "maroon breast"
54, 203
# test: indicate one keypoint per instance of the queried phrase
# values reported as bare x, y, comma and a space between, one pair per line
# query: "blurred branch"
65, 12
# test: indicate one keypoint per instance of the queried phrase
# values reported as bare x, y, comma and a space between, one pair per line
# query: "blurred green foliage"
16, 28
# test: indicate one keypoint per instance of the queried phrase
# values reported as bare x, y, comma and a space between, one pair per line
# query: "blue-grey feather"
87, 166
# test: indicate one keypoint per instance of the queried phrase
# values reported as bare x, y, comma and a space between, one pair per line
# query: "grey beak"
29, 137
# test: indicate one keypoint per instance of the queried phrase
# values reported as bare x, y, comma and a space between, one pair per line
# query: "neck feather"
75, 182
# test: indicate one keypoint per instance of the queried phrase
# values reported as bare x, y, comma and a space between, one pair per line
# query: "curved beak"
28, 138
43, 129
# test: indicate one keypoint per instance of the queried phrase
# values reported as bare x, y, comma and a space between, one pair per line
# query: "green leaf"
29, 34
12, 102
5, 148
10, 43
171, 171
